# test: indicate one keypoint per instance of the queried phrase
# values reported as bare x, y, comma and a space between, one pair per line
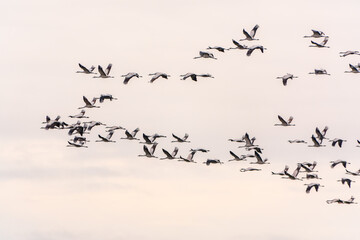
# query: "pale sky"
51, 192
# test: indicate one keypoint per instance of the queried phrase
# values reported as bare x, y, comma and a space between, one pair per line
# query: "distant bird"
199, 150
316, 186
320, 45
259, 159
342, 162
285, 123
316, 143
321, 134
181, 140
251, 36
189, 158
311, 176
194, 76
107, 138
54, 124
149, 153
80, 115
147, 139
337, 141
78, 145
252, 48
357, 173
131, 136
151, 139
212, 161
294, 175
319, 72
220, 49
249, 142
92, 124
79, 139
353, 69
238, 46
89, 104
236, 157
316, 34
348, 181
155, 136
282, 173
339, 201
106, 96
358, 142
157, 75
168, 155
297, 141
48, 119
249, 169
130, 76
113, 128
239, 139
286, 77
205, 55
335, 200
85, 70
104, 74
347, 53
77, 129
308, 167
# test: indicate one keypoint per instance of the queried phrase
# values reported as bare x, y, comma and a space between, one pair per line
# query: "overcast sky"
52, 192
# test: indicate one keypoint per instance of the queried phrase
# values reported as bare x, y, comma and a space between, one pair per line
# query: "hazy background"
52, 192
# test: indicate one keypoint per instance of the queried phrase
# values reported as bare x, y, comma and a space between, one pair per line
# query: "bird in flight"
104, 74
86, 70
251, 36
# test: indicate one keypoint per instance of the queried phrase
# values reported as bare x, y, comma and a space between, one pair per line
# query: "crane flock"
79, 129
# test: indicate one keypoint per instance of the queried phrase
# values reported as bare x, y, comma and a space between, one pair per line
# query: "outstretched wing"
101, 71
258, 157
102, 138
127, 79
316, 143
177, 138
168, 155
308, 188
128, 134
353, 68
108, 69
317, 44
135, 132
253, 31
282, 120
239, 45
190, 156
84, 68
110, 135
249, 52
234, 155
153, 147
175, 152
246, 34
146, 138
325, 41
87, 102
146, 150
296, 171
